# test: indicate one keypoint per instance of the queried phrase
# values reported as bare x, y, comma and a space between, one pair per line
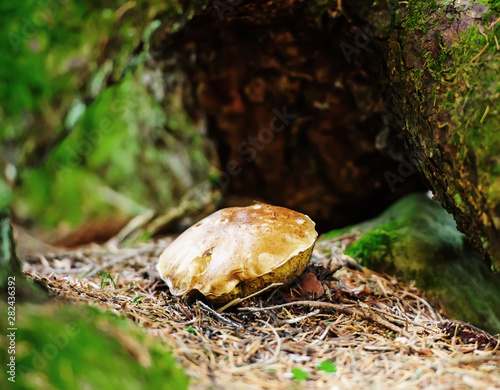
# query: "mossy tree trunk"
443, 62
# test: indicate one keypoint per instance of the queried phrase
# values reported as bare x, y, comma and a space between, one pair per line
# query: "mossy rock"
418, 240
81, 347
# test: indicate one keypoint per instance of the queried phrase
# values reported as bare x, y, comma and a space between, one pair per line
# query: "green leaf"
299, 374
191, 330
327, 366
106, 278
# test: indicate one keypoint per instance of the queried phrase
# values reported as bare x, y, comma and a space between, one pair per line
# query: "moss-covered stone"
68, 347
418, 240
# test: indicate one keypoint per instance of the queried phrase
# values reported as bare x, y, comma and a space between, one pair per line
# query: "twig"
278, 340
190, 322
188, 314
298, 319
485, 113
431, 310
219, 316
381, 286
249, 367
239, 300
341, 308
454, 338
134, 224
298, 303
493, 24
323, 335
402, 319
481, 52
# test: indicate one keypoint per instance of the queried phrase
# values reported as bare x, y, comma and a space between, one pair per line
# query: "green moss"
494, 6
68, 347
461, 82
419, 12
477, 89
375, 245
474, 110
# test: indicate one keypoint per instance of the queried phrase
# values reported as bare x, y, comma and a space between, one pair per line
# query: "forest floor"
339, 326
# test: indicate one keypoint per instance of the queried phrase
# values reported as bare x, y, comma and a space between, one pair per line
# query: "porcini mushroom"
238, 251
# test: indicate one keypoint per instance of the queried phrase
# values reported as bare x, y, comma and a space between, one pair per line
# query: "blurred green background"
88, 127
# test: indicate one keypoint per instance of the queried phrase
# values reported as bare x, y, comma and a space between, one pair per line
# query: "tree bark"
443, 62
13, 284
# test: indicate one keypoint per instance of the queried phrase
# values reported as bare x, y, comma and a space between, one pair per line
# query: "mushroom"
238, 251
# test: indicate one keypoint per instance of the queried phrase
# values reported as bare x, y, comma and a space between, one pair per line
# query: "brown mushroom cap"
236, 245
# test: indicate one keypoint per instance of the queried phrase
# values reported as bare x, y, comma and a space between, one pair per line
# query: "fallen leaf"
310, 286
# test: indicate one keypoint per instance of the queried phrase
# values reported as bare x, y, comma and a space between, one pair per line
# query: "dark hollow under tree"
295, 121
355, 78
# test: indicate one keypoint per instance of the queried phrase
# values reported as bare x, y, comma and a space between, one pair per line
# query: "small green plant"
299, 375
191, 330
327, 366
106, 278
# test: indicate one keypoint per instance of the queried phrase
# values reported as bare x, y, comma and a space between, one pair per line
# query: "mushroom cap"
237, 244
